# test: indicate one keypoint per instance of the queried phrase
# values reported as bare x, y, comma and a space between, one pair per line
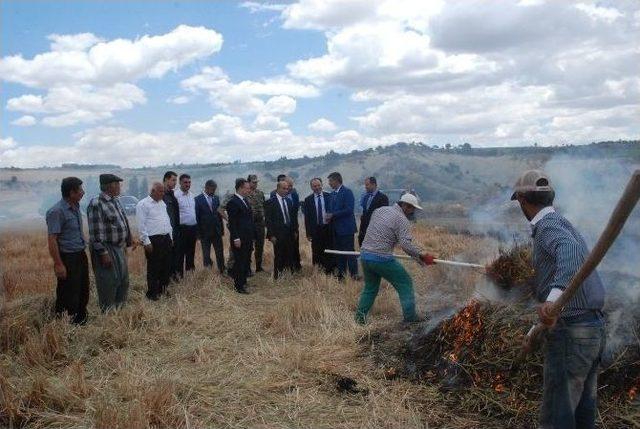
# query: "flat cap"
105, 179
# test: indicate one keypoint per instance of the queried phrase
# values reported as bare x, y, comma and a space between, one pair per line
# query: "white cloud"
255, 6
105, 63
24, 121
322, 125
179, 99
7, 143
73, 42
88, 79
69, 105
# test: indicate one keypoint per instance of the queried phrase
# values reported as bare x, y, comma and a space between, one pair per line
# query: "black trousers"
284, 257
186, 248
72, 293
241, 263
174, 272
212, 239
158, 265
322, 239
297, 264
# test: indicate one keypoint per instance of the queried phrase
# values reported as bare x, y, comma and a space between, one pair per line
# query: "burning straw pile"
513, 267
473, 358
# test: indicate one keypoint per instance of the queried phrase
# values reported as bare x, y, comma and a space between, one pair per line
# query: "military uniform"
223, 206
256, 201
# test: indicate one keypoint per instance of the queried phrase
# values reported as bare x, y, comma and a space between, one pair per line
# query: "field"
287, 355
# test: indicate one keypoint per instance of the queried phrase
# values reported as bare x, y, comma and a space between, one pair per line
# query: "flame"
633, 392
499, 388
464, 329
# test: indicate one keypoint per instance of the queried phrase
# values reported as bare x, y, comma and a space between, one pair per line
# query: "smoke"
587, 190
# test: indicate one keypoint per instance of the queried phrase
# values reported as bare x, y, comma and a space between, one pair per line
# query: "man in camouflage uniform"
223, 212
256, 201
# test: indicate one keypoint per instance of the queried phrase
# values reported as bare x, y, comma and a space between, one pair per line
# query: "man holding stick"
575, 339
389, 226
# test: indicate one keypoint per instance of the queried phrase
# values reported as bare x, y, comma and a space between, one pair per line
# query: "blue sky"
218, 81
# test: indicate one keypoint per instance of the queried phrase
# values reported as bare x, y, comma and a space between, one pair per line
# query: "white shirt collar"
239, 196
338, 190
542, 213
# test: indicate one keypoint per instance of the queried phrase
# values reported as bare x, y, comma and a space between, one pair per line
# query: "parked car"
129, 204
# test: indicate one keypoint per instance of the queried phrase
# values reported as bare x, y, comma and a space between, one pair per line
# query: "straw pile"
513, 267
473, 359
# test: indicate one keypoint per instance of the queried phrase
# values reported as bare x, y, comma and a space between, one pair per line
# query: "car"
128, 203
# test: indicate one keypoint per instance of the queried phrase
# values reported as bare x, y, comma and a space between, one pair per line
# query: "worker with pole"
575, 339
389, 226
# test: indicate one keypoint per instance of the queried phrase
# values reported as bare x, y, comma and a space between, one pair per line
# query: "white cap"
410, 199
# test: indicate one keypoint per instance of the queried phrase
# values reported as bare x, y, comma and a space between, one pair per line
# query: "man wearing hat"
389, 226
109, 236
575, 340
256, 201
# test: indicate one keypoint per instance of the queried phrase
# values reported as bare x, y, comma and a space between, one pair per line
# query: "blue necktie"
319, 215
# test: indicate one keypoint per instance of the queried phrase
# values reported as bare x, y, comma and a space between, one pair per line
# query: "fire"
633, 392
465, 328
499, 388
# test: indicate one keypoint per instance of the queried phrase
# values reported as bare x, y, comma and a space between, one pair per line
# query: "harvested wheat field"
287, 355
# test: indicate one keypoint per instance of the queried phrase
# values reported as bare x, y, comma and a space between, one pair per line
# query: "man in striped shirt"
575, 340
389, 226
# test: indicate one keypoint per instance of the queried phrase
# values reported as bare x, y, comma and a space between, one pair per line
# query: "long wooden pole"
437, 261
620, 214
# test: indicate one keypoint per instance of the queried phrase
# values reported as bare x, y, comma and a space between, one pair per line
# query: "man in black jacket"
371, 200
241, 233
169, 180
317, 229
282, 229
210, 228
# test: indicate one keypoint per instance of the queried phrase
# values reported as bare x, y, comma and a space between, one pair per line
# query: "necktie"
369, 200
319, 206
285, 211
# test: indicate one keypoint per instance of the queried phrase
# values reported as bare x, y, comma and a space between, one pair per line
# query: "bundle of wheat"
473, 358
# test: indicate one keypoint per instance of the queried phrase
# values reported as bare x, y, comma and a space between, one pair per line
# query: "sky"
154, 83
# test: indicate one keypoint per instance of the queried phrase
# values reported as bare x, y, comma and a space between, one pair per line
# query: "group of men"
171, 220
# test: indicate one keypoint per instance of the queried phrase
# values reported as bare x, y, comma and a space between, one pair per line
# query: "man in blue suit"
210, 227
343, 221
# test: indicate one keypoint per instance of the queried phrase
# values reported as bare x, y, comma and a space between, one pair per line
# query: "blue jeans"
345, 242
572, 354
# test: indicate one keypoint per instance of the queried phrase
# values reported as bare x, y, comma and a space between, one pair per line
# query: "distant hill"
460, 175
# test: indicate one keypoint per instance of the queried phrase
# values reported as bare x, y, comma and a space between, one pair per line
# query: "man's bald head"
157, 191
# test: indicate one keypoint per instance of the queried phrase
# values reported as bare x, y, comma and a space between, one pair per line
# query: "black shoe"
357, 278
242, 290
250, 273
259, 269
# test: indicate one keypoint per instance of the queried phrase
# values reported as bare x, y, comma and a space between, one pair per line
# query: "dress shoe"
242, 291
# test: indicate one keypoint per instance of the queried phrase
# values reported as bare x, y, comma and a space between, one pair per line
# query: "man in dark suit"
169, 180
210, 227
343, 222
282, 229
241, 233
371, 200
317, 229
295, 203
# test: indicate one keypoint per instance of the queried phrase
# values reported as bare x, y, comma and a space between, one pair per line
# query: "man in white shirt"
188, 228
154, 229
